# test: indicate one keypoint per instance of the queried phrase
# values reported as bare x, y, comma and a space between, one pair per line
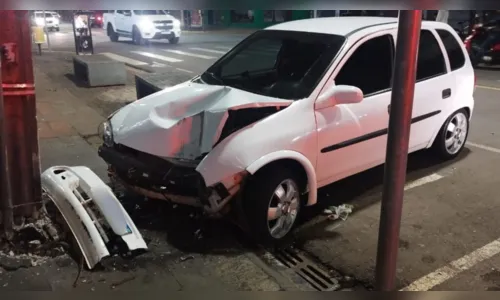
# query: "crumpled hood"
184, 121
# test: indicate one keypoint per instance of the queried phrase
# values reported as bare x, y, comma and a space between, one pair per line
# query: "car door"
434, 87
120, 21
352, 137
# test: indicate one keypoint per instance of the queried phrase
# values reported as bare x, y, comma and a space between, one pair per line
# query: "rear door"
434, 89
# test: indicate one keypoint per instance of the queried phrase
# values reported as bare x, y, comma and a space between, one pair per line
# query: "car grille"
164, 25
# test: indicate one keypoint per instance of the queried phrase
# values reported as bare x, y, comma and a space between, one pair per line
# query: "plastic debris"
341, 212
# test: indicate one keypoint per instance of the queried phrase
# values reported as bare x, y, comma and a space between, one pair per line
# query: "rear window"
453, 49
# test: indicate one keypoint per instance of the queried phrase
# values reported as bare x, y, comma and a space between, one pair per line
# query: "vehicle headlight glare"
177, 23
146, 26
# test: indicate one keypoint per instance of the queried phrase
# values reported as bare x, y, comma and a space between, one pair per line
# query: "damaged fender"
73, 190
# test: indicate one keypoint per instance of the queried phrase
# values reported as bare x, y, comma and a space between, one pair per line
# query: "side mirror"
340, 94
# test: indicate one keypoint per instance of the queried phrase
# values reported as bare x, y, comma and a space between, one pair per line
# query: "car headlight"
146, 26
39, 22
105, 132
177, 23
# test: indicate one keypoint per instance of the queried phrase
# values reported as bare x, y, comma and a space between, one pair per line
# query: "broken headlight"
106, 133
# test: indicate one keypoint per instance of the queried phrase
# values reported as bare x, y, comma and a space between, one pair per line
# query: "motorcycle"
483, 46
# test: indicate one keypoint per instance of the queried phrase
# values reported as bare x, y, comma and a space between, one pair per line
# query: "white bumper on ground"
91, 210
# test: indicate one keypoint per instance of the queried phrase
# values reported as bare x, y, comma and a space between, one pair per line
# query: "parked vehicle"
484, 46
142, 25
96, 19
52, 19
292, 108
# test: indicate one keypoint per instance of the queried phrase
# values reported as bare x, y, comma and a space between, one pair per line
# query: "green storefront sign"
252, 18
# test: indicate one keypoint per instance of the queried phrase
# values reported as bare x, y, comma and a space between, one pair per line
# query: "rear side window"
453, 49
430, 61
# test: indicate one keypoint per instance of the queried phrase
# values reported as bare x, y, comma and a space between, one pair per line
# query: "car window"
363, 71
277, 63
263, 53
453, 49
430, 62
149, 12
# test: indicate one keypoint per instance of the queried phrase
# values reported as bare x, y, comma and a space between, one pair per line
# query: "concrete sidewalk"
67, 136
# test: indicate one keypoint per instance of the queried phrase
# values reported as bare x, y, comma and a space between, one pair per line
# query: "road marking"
189, 54
124, 59
454, 268
421, 181
183, 70
223, 48
484, 147
208, 50
156, 56
488, 87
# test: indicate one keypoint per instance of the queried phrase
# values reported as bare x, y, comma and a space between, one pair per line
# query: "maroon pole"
401, 107
18, 91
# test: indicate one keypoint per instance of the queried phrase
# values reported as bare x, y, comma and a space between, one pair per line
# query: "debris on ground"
341, 212
187, 257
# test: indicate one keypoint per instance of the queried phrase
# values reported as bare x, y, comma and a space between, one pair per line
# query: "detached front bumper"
160, 179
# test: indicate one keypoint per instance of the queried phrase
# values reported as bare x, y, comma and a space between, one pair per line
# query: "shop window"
242, 16
275, 16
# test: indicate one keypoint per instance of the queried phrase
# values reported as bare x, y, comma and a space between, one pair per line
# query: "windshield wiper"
214, 77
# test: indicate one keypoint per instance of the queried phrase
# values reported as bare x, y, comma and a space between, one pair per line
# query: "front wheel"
173, 40
113, 36
272, 202
452, 137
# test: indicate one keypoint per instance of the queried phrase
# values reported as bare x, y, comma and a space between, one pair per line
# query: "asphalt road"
449, 235
195, 52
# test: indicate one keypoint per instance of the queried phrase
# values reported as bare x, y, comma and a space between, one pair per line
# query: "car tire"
136, 37
452, 136
57, 29
261, 193
174, 40
113, 36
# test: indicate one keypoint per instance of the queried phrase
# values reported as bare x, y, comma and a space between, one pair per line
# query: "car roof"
343, 26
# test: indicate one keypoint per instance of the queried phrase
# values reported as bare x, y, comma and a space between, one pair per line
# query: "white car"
292, 108
52, 19
142, 25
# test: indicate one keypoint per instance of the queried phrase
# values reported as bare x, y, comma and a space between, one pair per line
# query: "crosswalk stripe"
124, 59
156, 56
208, 50
223, 48
189, 54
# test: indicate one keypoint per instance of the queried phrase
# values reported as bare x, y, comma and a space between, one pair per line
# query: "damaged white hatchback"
290, 109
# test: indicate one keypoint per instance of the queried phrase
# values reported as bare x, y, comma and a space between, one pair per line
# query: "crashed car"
290, 109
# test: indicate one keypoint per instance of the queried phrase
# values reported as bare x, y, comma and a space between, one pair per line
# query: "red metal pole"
20, 111
403, 87
5, 194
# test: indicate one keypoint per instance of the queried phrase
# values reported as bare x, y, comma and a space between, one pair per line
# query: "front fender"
300, 158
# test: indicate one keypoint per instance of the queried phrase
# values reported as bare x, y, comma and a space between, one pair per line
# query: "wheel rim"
456, 133
283, 209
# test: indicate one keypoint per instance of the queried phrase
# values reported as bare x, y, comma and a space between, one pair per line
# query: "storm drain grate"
307, 270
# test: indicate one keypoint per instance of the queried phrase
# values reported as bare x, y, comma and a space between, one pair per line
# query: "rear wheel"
452, 137
113, 36
272, 202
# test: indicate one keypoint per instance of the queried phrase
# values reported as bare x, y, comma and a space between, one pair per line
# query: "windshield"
275, 63
149, 12
47, 15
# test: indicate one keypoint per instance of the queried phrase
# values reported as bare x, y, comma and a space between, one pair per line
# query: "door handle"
446, 93
389, 109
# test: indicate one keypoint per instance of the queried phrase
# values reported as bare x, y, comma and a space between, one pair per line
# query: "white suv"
290, 109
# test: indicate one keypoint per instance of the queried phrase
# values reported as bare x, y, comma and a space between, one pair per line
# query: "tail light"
496, 47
